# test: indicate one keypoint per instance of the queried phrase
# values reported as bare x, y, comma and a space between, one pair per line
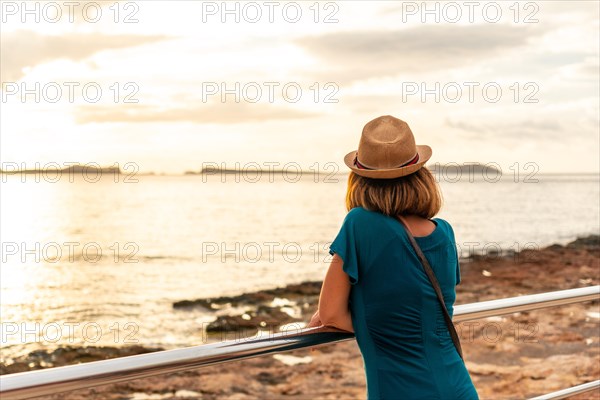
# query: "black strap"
436, 287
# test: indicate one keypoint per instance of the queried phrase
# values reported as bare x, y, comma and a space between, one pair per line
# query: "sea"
100, 261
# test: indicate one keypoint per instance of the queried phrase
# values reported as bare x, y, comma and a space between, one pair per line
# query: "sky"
175, 85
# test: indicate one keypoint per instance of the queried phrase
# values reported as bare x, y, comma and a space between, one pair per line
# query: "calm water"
169, 238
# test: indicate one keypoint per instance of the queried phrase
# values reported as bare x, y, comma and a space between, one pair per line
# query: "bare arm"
333, 300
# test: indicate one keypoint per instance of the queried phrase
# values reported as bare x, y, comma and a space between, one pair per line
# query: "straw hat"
387, 150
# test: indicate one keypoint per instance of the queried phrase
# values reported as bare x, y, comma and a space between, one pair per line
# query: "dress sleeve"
344, 245
454, 248
453, 243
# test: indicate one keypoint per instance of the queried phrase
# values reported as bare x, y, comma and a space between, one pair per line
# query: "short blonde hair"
414, 194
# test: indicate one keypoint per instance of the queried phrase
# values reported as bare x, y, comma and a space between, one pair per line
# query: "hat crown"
386, 142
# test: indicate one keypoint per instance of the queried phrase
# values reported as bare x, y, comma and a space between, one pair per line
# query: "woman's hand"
315, 320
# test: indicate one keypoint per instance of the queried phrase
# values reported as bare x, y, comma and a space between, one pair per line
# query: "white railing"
62, 379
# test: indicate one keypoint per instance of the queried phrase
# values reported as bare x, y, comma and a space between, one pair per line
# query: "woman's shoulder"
364, 221
445, 225
361, 215
366, 231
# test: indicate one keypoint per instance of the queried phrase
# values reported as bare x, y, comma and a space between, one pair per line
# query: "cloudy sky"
170, 85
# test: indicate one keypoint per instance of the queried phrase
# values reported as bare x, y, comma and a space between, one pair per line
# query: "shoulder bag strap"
436, 287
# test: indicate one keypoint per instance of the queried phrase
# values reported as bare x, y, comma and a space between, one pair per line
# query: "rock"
204, 303
591, 242
188, 394
233, 323
270, 378
263, 317
293, 291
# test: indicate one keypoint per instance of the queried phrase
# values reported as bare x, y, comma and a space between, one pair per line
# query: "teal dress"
398, 322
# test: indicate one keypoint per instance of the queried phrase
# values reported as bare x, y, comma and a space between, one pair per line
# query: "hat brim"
424, 152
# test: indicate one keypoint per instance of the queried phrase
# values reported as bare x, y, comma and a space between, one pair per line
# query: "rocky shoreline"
514, 356
265, 308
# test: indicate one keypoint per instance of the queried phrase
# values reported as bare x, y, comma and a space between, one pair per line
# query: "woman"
376, 285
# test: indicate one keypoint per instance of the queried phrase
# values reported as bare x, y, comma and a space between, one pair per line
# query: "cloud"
218, 113
587, 70
511, 130
20, 49
356, 55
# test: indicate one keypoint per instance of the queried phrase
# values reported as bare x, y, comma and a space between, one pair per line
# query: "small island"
467, 167
77, 168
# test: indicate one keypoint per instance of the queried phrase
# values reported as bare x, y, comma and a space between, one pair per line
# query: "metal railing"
563, 394
61, 379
